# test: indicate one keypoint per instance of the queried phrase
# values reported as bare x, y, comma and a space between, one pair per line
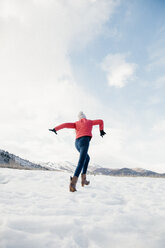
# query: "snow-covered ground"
37, 210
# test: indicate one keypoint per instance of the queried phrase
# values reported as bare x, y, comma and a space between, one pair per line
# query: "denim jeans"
82, 145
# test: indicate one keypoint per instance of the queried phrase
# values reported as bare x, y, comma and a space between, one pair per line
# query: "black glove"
53, 130
102, 133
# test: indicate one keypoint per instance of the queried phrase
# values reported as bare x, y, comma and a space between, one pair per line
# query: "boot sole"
83, 184
72, 189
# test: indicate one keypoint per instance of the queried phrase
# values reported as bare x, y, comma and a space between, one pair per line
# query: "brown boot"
83, 180
73, 181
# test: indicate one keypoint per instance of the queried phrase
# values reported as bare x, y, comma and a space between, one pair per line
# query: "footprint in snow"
3, 180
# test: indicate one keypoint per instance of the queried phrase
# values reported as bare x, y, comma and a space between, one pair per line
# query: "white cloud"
38, 90
119, 71
159, 127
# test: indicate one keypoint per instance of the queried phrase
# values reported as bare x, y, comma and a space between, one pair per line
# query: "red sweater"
83, 127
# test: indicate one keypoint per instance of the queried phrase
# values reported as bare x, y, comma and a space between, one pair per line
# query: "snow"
37, 210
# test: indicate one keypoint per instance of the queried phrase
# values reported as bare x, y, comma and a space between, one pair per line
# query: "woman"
83, 129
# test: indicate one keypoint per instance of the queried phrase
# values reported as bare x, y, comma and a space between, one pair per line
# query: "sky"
105, 58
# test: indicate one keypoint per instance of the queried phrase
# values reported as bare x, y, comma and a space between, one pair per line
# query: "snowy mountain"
128, 172
9, 160
67, 166
61, 166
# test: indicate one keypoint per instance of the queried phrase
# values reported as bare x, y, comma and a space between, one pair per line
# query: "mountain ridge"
8, 160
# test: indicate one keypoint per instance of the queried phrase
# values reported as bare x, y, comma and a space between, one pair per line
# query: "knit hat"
81, 115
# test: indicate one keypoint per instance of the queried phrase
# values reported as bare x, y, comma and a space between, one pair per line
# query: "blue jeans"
82, 145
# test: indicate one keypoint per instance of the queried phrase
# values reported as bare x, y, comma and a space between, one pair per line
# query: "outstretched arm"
65, 125
101, 126
100, 123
